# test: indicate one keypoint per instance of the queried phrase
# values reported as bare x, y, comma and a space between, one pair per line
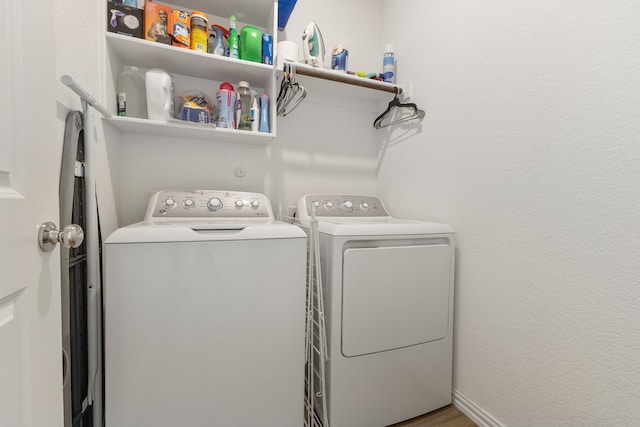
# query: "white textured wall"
531, 150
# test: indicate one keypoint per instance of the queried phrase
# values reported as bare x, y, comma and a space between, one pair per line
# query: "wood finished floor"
449, 416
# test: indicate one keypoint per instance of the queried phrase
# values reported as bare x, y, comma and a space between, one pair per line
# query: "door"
30, 331
394, 297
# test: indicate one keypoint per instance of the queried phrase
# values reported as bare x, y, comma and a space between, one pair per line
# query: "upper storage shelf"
194, 70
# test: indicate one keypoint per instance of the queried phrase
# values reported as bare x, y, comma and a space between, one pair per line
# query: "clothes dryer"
388, 305
204, 315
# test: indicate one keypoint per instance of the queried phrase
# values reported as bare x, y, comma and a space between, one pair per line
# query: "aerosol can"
313, 45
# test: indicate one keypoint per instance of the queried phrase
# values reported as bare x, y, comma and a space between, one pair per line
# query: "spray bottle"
255, 112
216, 40
233, 38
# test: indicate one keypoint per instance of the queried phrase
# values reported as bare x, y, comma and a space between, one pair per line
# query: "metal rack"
316, 337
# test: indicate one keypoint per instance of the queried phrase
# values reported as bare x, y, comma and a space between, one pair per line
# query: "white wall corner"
473, 411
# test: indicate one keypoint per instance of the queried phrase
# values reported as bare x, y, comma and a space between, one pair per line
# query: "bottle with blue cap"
388, 65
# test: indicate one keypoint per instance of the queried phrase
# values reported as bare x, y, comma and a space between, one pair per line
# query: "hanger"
291, 92
395, 104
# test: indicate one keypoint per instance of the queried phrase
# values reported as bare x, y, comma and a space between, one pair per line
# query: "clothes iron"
313, 45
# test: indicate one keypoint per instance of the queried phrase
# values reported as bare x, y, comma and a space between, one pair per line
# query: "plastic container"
216, 39
199, 36
132, 94
264, 113
251, 43
226, 105
389, 65
339, 58
244, 96
233, 38
160, 101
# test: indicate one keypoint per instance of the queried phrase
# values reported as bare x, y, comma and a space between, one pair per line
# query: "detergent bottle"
132, 94
233, 38
226, 106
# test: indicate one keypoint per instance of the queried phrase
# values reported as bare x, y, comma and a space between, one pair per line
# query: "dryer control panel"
177, 204
342, 205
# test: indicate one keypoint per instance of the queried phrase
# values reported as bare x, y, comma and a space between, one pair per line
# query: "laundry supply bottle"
233, 38
216, 41
226, 97
244, 94
251, 43
389, 65
264, 113
132, 94
255, 113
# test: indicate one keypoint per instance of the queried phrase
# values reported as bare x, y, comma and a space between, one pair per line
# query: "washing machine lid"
154, 232
379, 227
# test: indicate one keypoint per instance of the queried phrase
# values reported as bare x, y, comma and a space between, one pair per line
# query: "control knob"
169, 203
239, 203
214, 204
189, 204
255, 203
347, 205
328, 205
364, 206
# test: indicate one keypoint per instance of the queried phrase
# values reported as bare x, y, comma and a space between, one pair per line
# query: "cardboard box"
134, 3
124, 20
180, 28
156, 22
131, 3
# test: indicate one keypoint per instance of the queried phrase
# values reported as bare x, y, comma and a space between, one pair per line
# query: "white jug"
159, 95
132, 94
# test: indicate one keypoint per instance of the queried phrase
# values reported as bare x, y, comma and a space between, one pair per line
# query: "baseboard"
473, 411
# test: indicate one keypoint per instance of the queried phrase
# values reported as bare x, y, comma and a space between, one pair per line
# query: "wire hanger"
291, 92
395, 105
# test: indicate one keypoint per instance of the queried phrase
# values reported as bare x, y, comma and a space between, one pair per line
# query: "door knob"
48, 236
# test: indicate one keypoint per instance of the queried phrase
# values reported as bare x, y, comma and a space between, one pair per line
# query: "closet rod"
345, 78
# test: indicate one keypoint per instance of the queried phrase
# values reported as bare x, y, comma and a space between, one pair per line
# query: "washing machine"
204, 305
388, 305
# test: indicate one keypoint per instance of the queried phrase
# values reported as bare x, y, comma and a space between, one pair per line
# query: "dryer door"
394, 297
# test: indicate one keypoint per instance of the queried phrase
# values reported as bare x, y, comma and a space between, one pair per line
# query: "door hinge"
79, 169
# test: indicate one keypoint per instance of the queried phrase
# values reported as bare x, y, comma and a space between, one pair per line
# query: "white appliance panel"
200, 333
394, 297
